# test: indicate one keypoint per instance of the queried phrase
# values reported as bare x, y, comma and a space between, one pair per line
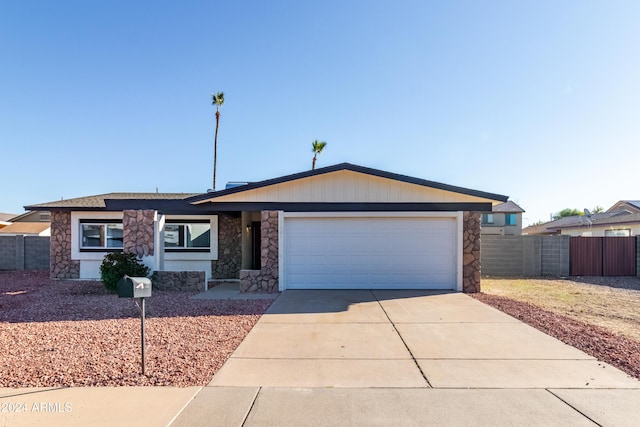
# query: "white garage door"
370, 253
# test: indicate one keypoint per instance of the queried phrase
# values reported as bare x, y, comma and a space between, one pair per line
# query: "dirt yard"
612, 303
72, 333
598, 315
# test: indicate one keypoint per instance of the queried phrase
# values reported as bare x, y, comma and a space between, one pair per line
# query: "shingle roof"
508, 207
634, 203
25, 228
6, 216
576, 221
98, 201
620, 217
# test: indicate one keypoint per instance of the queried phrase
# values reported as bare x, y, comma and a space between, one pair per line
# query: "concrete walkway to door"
407, 358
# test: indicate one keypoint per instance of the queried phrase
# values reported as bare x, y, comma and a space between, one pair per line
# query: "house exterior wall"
265, 279
229, 261
68, 261
499, 228
63, 266
599, 230
348, 187
471, 264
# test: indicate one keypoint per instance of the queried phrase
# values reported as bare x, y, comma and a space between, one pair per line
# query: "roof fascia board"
351, 207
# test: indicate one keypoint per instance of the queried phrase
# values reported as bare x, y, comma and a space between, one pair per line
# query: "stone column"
227, 266
269, 250
265, 279
62, 266
138, 232
471, 252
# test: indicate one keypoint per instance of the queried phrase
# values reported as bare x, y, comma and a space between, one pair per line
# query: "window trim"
186, 249
104, 223
627, 230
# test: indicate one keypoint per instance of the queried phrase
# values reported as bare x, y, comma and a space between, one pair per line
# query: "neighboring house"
622, 219
338, 227
33, 216
26, 229
5, 219
505, 219
632, 206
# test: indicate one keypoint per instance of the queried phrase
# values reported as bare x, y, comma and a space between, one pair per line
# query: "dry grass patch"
613, 303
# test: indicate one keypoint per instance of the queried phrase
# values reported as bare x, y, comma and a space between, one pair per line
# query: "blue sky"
537, 100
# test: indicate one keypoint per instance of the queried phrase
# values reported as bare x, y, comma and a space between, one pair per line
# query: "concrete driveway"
407, 358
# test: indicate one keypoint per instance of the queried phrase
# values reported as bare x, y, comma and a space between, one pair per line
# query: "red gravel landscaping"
605, 346
74, 333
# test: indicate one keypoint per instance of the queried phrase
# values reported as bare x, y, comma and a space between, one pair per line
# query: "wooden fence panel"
585, 254
619, 256
602, 256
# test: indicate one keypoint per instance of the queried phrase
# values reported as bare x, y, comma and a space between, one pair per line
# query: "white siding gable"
347, 186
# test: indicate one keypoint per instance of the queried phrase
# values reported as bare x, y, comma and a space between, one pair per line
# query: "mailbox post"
136, 287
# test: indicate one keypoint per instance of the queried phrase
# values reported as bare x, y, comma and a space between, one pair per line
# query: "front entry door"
256, 238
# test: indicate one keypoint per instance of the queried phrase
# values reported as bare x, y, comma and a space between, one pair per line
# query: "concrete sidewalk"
93, 406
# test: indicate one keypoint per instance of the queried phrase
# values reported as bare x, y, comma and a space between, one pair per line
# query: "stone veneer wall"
137, 232
227, 266
62, 266
471, 252
265, 279
191, 281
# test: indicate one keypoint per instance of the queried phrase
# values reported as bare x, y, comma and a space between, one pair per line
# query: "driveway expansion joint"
402, 339
573, 407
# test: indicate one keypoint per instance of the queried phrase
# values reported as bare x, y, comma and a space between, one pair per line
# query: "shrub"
116, 264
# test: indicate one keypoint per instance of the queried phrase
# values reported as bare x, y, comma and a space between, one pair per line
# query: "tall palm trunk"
215, 150
217, 100
313, 162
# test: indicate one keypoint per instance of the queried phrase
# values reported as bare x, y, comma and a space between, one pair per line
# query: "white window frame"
490, 219
210, 253
104, 225
184, 247
626, 232
96, 254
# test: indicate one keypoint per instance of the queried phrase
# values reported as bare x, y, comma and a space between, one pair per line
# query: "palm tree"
318, 146
217, 100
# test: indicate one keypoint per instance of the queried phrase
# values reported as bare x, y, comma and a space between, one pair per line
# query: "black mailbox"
134, 287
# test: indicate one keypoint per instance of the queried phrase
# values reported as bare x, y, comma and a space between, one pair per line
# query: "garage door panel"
364, 253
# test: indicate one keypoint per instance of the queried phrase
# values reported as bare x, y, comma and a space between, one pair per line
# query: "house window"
617, 233
487, 218
194, 236
100, 235
510, 219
